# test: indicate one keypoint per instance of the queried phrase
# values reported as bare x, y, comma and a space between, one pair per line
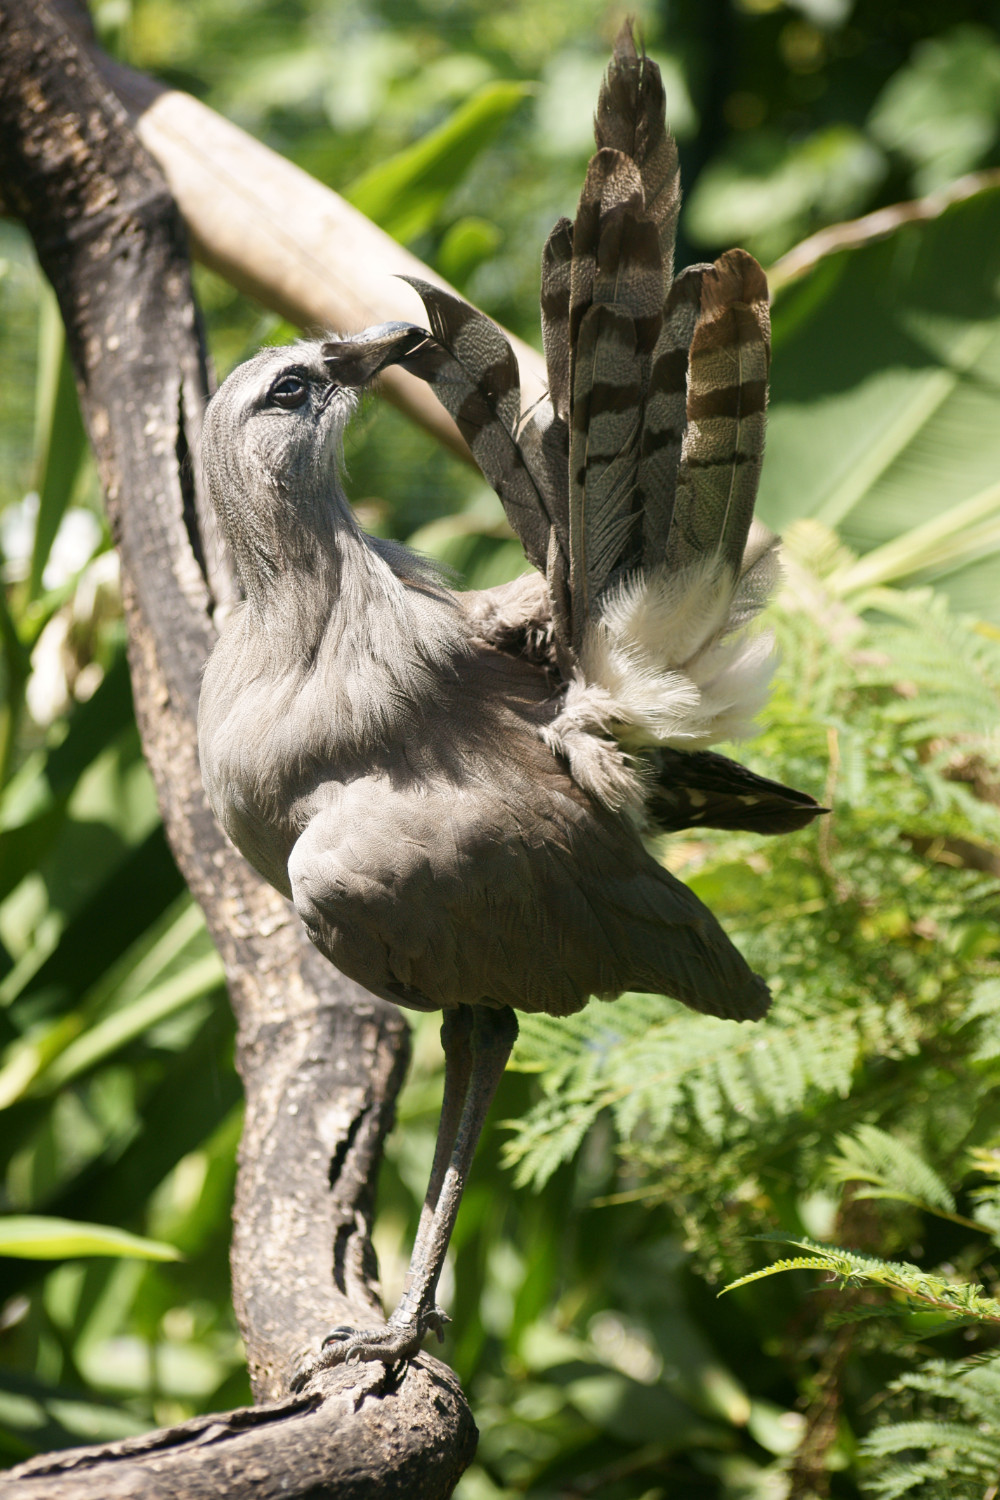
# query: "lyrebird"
453, 787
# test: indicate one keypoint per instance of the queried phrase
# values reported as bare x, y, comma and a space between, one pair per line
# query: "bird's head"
270, 451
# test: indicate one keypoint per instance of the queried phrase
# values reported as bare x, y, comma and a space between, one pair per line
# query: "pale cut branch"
854, 233
284, 238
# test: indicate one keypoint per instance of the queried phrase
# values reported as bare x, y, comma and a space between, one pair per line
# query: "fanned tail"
633, 486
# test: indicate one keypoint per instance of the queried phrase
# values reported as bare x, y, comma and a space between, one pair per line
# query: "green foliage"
957, 1437
917, 1290
405, 195
32, 1237
891, 1169
941, 113
871, 435
926, 1458
769, 191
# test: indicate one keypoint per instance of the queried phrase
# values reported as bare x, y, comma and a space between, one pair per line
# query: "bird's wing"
455, 894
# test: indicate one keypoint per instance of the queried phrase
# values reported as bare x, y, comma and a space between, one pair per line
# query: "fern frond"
891, 1168
795, 1263
954, 1440
923, 1290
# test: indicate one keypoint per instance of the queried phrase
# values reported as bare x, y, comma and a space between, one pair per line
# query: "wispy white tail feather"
669, 660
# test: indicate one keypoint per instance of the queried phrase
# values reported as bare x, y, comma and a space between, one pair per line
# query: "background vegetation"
649, 1156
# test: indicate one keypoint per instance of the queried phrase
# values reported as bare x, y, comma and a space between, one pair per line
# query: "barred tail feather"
615, 315
474, 370
723, 444
631, 118
557, 259
664, 419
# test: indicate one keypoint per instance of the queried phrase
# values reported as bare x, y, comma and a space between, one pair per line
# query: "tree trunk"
321, 1060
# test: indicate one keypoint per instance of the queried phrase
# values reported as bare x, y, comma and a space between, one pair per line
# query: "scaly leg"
477, 1043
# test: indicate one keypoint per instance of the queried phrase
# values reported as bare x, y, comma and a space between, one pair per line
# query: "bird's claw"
399, 1339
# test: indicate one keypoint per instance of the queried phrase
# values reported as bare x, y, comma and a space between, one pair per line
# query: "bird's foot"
397, 1340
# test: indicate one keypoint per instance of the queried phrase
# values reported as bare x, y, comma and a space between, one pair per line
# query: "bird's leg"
456, 1039
477, 1043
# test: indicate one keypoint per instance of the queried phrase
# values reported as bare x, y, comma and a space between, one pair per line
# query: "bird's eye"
288, 391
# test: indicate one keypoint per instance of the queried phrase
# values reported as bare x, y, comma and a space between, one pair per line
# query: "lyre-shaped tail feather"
557, 260
723, 444
474, 371
616, 299
631, 118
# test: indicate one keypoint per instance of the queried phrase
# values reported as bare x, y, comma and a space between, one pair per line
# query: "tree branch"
321, 1060
854, 233
277, 234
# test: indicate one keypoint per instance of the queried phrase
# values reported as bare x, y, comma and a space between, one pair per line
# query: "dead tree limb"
277, 234
320, 1059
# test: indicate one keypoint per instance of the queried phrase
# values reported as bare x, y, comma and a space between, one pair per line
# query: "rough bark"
321, 1060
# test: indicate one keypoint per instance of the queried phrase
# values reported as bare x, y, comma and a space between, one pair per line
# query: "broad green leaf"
883, 418
31, 1237
37, 1415
767, 192
40, 1065
194, 1093
137, 890
405, 194
468, 243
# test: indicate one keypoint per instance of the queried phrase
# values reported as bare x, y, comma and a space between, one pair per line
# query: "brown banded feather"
665, 412
475, 374
723, 444
631, 118
557, 259
617, 266
735, 401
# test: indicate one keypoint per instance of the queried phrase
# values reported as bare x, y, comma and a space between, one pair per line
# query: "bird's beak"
356, 361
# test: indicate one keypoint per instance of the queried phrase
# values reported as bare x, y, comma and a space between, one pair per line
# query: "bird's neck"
331, 610
294, 563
